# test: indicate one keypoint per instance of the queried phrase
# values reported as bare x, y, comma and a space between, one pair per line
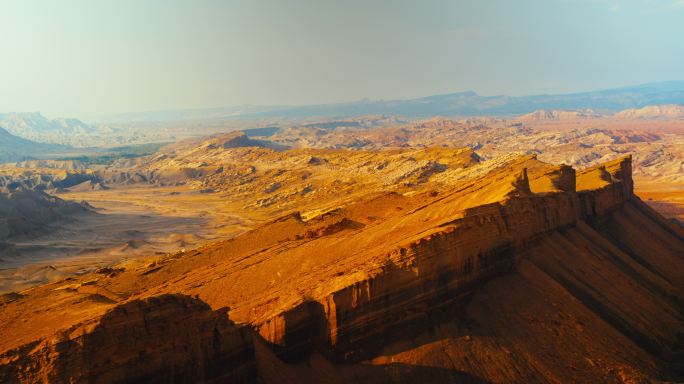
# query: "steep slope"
25, 211
524, 272
14, 148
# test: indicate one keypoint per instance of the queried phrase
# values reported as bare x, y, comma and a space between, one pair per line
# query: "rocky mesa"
521, 272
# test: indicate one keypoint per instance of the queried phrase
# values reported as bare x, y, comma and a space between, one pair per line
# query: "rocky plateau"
501, 276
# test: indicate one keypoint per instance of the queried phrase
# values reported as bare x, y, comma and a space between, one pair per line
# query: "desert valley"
359, 249
342, 192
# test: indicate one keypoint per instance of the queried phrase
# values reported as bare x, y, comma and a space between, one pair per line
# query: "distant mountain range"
455, 104
36, 127
655, 100
653, 111
670, 111
76, 133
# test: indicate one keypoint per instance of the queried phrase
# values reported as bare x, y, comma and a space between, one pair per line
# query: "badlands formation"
543, 248
410, 265
198, 191
24, 212
579, 139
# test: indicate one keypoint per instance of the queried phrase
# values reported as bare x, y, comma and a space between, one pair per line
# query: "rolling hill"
14, 148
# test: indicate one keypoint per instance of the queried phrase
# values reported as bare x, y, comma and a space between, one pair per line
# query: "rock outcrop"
167, 338
440, 263
26, 211
366, 280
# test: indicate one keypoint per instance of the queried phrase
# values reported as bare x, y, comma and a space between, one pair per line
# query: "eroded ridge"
165, 338
343, 284
441, 261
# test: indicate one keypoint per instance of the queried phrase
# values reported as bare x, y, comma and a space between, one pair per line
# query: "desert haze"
534, 235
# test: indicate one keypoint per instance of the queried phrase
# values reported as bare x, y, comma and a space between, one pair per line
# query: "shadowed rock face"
167, 338
15, 148
474, 283
25, 211
443, 261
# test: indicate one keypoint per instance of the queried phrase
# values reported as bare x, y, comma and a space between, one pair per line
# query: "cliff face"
438, 266
168, 338
351, 284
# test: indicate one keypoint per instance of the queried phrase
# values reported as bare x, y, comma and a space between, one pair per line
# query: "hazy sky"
85, 57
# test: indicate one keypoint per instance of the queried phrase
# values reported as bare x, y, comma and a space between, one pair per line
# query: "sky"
86, 58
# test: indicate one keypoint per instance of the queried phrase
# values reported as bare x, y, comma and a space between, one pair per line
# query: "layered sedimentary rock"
346, 285
167, 338
432, 267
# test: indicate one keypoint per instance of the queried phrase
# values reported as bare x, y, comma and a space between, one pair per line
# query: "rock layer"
167, 338
437, 266
344, 286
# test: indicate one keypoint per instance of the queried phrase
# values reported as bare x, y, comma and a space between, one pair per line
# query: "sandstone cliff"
492, 280
167, 338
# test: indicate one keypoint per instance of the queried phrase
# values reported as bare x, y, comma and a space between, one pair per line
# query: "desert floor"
130, 225
136, 224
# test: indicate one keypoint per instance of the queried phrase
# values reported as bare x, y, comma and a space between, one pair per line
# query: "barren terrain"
350, 253
204, 189
354, 285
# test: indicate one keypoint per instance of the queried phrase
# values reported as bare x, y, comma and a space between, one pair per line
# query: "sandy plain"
133, 224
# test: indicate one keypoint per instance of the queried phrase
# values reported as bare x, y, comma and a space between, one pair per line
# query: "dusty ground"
137, 222
131, 224
248, 186
666, 199
582, 306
